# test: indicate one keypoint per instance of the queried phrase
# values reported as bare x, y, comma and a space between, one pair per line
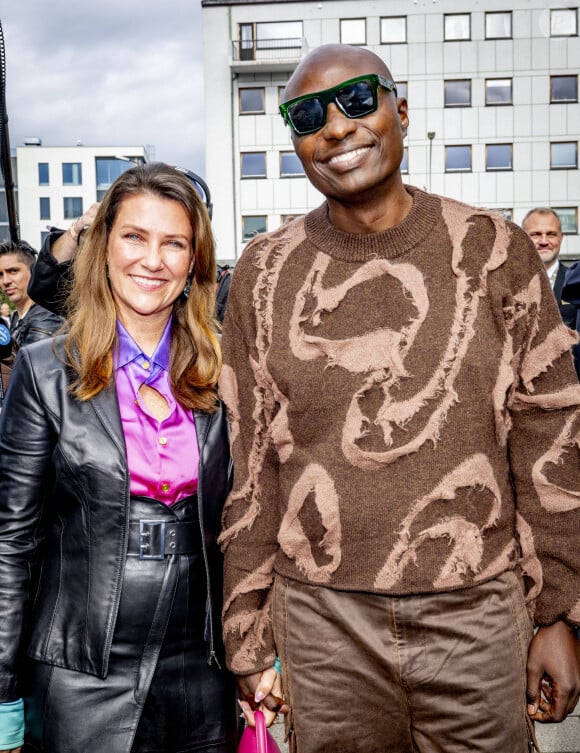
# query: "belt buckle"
151, 539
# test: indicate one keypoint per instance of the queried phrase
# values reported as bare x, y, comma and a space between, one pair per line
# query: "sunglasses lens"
307, 115
357, 99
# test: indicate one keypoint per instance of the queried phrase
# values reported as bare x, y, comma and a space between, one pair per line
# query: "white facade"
56, 184
506, 91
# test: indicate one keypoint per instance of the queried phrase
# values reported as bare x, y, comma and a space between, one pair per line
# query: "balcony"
267, 54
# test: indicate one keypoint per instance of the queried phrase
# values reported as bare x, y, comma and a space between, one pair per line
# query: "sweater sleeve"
544, 453
251, 517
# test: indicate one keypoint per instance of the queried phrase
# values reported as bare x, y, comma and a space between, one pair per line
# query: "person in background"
5, 314
114, 466
543, 226
30, 322
405, 421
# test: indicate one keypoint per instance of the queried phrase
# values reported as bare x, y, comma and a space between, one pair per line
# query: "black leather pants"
160, 695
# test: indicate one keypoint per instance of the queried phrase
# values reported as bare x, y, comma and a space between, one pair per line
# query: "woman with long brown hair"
114, 467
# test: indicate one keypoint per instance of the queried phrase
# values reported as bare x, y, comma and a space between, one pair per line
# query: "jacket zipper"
212, 654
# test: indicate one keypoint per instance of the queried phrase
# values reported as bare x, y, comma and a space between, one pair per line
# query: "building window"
43, 174
253, 164
405, 161
281, 94
252, 100
252, 225
507, 213
44, 208
290, 165
72, 207
458, 159
43, 236
108, 170
568, 219
402, 89
563, 155
457, 92
498, 91
564, 22
498, 25
353, 31
72, 174
563, 89
394, 30
499, 157
268, 41
457, 27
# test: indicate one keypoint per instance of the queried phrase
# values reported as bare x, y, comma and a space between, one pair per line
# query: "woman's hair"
195, 360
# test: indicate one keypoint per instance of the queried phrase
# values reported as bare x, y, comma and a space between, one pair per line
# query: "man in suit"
543, 226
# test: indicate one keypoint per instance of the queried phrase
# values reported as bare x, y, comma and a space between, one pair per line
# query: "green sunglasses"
354, 98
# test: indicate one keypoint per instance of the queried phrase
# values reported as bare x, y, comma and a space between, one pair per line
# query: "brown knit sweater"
404, 417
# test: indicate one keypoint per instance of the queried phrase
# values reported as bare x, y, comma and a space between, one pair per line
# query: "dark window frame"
252, 88
456, 39
247, 237
500, 104
455, 81
290, 175
354, 44
554, 101
563, 167
253, 176
499, 13
564, 36
44, 201
459, 169
563, 224
389, 18
501, 169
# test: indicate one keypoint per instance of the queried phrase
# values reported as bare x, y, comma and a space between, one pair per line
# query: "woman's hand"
262, 690
12, 750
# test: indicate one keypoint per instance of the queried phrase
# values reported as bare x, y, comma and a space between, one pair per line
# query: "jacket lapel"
106, 406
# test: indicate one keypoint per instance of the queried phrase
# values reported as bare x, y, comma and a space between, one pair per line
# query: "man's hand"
553, 673
262, 690
65, 247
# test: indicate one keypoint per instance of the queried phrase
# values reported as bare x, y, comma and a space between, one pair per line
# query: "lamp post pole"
430, 136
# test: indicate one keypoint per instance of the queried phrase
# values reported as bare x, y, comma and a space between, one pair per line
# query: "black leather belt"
154, 539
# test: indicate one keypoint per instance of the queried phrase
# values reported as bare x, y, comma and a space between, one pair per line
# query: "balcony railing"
266, 49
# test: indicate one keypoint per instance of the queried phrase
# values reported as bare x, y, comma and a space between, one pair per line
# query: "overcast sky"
109, 72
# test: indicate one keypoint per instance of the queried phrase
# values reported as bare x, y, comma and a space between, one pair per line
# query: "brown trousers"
434, 673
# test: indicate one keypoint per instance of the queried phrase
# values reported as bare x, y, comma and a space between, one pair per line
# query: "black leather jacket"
38, 324
64, 507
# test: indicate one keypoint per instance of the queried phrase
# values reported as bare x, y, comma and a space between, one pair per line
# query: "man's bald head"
322, 62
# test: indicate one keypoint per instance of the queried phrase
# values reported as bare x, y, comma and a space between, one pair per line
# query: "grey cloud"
116, 72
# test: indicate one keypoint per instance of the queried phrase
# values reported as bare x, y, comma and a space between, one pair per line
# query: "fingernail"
259, 697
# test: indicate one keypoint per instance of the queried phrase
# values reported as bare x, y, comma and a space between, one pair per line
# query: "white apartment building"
56, 184
492, 89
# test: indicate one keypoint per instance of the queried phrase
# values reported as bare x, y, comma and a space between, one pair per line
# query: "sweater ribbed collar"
390, 243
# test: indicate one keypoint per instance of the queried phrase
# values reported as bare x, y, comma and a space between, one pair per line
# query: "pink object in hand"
258, 739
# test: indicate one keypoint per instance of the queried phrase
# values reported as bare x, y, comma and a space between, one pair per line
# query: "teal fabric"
278, 665
11, 724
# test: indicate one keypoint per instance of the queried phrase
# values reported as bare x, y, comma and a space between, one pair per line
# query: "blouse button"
163, 440
165, 487
145, 364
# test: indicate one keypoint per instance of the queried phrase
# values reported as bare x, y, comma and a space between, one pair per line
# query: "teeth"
147, 282
347, 156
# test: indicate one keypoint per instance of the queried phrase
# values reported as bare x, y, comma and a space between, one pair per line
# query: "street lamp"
430, 136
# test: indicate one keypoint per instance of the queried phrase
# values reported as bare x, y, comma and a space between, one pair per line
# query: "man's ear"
403, 113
